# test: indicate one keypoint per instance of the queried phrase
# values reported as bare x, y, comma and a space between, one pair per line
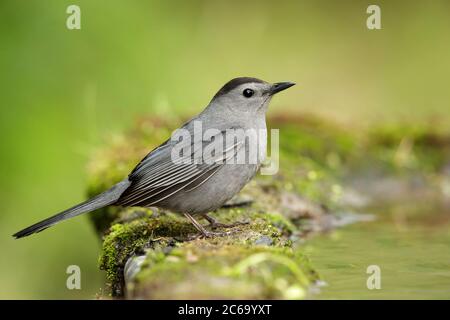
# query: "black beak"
280, 86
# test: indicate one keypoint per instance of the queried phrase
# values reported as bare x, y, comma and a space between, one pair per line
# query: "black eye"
248, 93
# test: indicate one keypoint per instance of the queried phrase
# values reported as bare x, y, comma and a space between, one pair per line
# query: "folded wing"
162, 174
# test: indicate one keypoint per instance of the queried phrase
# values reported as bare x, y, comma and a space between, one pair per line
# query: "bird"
194, 173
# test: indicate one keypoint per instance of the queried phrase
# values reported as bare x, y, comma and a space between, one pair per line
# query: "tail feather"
104, 199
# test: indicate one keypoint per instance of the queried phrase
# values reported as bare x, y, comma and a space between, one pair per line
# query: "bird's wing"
160, 175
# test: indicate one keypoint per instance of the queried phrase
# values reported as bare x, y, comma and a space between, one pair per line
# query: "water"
409, 241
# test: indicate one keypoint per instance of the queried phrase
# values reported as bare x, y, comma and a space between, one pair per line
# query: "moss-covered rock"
204, 269
259, 259
131, 236
139, 231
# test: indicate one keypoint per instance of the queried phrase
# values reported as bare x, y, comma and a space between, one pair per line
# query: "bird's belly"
213, 193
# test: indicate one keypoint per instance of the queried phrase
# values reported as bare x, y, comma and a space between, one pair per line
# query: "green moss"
102, 218
126, 239
424, 147
224, 271
154, 231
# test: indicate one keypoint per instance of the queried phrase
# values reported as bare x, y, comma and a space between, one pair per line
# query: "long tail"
104, 199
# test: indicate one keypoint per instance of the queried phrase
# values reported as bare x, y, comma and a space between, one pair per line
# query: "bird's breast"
262, 145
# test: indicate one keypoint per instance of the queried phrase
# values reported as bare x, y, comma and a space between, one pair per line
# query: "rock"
264, 241
296, 207
132, 267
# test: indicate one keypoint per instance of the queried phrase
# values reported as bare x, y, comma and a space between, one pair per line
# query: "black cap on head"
236, 82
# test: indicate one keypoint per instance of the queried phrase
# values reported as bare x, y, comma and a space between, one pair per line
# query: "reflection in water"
410, 242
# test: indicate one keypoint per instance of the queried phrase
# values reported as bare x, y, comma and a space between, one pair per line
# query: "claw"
214, 224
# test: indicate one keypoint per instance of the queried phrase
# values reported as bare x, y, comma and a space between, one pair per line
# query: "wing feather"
157, 177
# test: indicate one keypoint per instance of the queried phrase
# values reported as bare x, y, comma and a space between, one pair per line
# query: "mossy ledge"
258, 256
255, 261
150, 254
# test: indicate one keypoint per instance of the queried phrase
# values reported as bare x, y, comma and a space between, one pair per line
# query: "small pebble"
264, 241
132, 267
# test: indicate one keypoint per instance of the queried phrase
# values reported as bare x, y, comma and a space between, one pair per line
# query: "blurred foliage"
64, 91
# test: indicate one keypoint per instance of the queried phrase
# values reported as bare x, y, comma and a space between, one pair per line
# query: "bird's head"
247, 94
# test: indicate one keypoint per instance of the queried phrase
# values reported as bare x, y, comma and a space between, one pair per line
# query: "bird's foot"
214, 224
210, 234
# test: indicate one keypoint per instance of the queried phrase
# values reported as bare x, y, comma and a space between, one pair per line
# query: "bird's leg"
196, 224
203, 232
213, 223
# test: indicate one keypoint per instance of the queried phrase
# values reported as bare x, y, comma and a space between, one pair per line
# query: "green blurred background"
63, 91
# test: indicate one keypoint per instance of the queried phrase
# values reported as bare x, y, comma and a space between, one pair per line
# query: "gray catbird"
203, 183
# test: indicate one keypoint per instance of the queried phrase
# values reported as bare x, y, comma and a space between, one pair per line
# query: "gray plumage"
200, 185
104, 199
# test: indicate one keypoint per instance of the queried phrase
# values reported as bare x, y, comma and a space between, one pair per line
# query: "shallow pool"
409, 242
